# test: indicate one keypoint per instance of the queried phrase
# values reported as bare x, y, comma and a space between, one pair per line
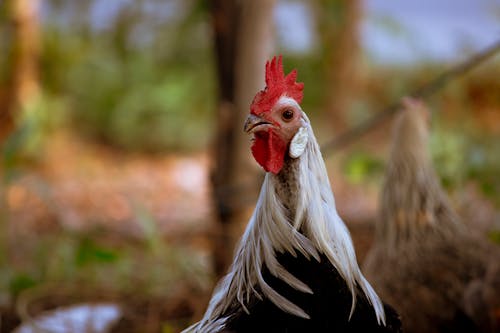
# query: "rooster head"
276, 119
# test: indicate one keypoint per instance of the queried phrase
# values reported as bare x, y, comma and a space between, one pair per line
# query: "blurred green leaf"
89, 252
167, 328
494, 236
20, 282
149, 227
360, 167
26, 143
448, 152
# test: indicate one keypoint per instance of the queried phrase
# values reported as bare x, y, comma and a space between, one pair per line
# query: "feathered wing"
270, 230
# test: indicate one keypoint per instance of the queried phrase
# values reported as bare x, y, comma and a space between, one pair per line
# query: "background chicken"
424, 261
295, 269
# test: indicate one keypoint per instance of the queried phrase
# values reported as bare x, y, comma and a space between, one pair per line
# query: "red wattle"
269, 150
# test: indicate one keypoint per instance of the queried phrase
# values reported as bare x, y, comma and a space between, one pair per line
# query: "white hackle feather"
270, 230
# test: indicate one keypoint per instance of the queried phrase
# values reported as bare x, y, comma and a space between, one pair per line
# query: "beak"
253, 122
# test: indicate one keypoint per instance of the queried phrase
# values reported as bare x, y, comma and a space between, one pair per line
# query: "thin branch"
423, 92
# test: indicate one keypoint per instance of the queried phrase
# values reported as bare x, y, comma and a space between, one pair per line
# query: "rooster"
424, 262
295, 268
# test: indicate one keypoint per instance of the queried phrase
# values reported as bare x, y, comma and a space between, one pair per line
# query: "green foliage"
483, 163
139, 109
167, 328
448, 153
91, 259
312, 74
360, 167
150, 230
143, 82
494, 236
148, 266
89, 252
21, 282
461, 156
36, 121
6, 44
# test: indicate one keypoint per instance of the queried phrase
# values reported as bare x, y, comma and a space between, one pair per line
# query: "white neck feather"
270, 230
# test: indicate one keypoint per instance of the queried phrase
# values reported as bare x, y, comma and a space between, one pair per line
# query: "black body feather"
328, 307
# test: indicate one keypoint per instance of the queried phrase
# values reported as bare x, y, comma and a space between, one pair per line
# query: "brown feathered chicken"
295, 268
424, 261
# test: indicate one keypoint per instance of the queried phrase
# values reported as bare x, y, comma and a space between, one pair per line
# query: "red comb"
277, 85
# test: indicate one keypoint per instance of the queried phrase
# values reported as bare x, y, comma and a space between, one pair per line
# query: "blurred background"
126, 178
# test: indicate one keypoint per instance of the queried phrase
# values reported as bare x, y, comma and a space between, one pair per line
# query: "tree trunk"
23, 80
339, 26
243, 39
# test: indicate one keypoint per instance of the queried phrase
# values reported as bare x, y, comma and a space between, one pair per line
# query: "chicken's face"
273, 131
275, 117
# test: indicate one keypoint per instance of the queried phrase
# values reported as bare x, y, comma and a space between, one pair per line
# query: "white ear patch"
298, 143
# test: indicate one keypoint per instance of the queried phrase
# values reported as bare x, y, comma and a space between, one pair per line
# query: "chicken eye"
287, 115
